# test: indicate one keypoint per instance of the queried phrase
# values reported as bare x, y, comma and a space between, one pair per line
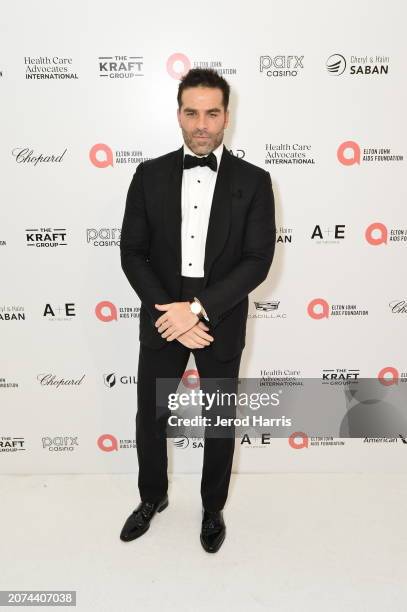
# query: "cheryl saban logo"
391, 375
12, 313
102, 156
350, 153
107, 311
284, 235
378, 233
108, 443
178, 64
321, 309
120, 66
336, 64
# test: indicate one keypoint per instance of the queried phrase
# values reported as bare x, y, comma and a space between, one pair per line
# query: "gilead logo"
352, 151
388, 376
107, 443
303, 443
190, 379
111, 311
318, 309
178, 64
380, 236
101, 155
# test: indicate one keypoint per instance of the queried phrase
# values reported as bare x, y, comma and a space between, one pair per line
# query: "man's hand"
176, 320
196, 337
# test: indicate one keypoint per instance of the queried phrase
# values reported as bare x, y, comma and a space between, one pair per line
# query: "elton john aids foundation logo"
178, 64
350, 153
101, 155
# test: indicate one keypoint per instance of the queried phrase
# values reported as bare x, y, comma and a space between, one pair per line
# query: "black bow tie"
190, 161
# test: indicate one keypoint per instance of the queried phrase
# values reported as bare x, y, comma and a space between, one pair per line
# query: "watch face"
196, 309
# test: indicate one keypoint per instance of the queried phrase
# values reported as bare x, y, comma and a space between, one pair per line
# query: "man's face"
202, 118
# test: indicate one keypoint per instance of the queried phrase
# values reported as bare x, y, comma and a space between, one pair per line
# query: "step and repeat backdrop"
88, 91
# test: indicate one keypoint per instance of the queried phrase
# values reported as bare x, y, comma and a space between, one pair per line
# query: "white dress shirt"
198, 185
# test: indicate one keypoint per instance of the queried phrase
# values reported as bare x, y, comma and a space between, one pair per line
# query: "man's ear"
178, 117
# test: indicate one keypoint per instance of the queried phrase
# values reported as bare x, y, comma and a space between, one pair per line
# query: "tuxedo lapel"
219, 219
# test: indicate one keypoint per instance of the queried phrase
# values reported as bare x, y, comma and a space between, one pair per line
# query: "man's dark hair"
204, 77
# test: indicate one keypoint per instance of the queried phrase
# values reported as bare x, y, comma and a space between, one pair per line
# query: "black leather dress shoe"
213, 530
139, 520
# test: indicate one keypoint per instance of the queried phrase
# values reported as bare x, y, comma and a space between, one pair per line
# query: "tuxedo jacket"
239, 246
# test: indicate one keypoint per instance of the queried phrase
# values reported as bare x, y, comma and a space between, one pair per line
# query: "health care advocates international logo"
102, 156
337, 65
349, 154
289, 154
106, 312
47, 67
179, 64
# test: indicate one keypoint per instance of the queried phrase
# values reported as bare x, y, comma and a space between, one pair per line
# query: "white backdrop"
88, 90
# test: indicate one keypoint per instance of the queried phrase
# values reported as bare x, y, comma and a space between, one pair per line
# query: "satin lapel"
172, 206
219, 219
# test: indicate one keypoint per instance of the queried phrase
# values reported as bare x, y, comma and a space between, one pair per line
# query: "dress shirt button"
190, 264
191, 236
199, 181
195, 206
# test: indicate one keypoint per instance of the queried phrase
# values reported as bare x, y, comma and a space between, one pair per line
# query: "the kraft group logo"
178, 64
101, 155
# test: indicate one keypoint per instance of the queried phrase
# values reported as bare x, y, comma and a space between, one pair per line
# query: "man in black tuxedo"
198, 236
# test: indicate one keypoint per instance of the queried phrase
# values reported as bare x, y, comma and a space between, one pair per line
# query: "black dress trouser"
151, 435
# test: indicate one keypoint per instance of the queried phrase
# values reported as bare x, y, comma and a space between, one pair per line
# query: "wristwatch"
197, 308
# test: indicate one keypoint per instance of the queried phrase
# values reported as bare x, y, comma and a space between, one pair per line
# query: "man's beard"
205, 147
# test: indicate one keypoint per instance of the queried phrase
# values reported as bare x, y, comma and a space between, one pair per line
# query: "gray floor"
294, 541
